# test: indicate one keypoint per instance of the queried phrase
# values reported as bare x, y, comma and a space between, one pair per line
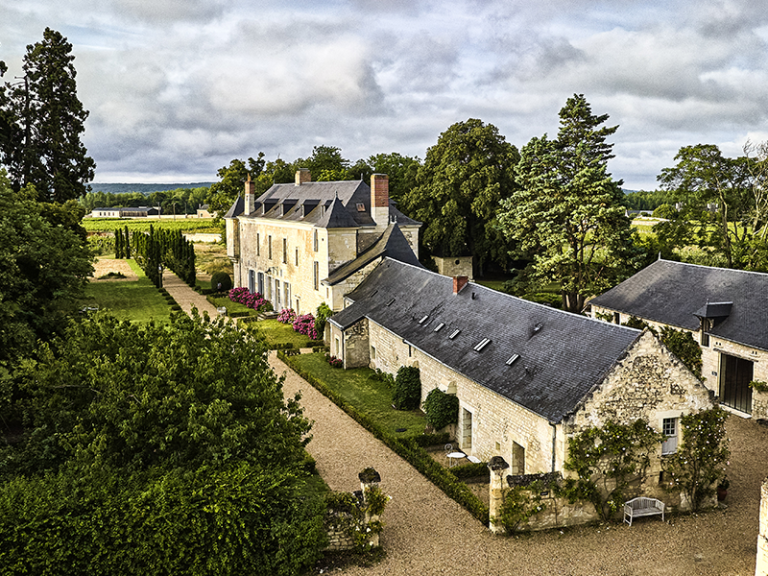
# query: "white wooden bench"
642, 506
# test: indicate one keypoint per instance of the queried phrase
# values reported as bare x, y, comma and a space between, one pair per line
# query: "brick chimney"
250, 196
380, 199
303, 176
459, 282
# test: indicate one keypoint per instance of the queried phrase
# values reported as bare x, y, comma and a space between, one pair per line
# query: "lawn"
362, 389
136, 300
277, 333
198, 225
231, 306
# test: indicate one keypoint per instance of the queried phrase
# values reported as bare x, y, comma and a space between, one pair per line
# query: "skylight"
439, 326
391, 302
512, 359
483, 343
424, 319
454, 334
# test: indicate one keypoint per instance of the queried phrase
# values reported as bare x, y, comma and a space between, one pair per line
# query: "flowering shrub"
243, 296
333, 361
305, 324
287, 315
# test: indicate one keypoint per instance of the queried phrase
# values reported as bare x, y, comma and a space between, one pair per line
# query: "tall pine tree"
41, 122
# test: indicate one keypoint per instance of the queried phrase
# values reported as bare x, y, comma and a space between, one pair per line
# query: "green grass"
199, 225
136, 300
230, 305
361, 388
277, 333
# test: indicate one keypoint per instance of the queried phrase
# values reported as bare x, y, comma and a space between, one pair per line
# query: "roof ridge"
711, 267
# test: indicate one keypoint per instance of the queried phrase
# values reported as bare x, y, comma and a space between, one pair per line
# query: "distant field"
199, 225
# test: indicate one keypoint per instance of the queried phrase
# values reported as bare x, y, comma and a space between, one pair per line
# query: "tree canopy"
459, 187
725, 201
41, 123
567, 213
44, 264
187, 427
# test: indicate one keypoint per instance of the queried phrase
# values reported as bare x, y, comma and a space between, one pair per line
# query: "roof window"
454, 334
424, 319
391, 302
439, 326
483, 343
360, 207
512, 359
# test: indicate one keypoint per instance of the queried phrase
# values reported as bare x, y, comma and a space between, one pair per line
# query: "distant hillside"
119, 188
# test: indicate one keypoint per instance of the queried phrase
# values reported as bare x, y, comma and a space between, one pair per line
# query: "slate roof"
675, 293
336, 216
391, 243
288, 202
561, 356
237, 208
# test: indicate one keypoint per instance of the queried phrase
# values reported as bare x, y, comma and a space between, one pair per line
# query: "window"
338, 348
439, 327
669, 429
454, 334
258, 244
287, 290
316, 274
410, 351
616, 318
314, 242
285, 250
483, 343
518, 459
277, 292
373, 352
297, 256
704, 338
269, 247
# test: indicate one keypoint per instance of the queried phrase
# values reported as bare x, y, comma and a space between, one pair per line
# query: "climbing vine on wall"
700, 462
520, 504
679, 342
607, 462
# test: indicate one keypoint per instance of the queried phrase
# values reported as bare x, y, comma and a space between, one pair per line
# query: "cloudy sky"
178, 88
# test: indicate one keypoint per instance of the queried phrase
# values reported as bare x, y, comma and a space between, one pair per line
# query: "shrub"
221, 282
682, 345
333, 361
323, 313
305, 324
255, 301
407, 392
441, 409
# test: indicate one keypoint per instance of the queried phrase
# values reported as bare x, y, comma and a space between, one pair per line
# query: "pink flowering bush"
333, 361
286, 316
243, 296
305, 324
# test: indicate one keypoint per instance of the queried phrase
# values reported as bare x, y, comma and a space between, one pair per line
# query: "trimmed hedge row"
407, 448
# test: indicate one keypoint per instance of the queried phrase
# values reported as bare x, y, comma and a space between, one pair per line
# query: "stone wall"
761, 566
356, 345
454, 266
497, 423
711, 357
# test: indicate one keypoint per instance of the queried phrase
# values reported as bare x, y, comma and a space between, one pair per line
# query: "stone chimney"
459, 282
250, 196
303, 176
380, 199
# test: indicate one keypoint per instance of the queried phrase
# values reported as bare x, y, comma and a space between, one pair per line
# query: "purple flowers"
242, 296
333, 361
286, 316
305, 324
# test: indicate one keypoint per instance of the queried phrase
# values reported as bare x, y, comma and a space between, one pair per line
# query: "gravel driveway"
428, 533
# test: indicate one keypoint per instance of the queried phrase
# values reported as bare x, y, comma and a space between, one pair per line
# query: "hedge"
407, 448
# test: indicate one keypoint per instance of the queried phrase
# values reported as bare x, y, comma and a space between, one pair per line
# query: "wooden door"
735, 392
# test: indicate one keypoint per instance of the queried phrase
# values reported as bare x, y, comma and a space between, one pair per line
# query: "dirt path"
428, 533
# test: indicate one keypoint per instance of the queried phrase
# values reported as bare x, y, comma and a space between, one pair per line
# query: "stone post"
369, 478
497, 466
761, 567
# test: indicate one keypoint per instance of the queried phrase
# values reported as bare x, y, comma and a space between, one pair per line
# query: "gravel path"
428, 533
185, 296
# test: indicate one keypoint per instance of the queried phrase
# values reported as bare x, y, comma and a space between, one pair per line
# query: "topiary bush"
441, 409
407, 391
221, 282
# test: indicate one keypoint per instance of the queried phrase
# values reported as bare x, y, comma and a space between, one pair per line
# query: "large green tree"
459, 187
163, 448
41, 123
223, 193
44, 264
567, 212
725, 200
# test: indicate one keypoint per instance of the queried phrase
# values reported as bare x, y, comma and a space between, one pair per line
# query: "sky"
176, 89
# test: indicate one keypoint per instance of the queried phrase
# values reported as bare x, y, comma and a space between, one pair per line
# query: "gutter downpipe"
554, 444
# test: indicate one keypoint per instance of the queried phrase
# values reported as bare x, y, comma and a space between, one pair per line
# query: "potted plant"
722, 489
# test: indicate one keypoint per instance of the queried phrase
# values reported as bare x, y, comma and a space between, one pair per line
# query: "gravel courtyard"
428, 533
